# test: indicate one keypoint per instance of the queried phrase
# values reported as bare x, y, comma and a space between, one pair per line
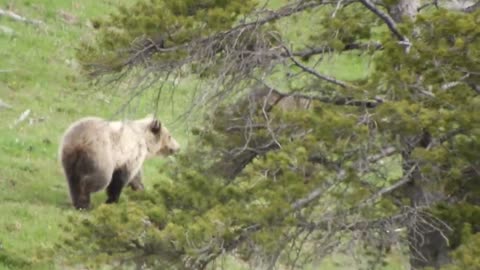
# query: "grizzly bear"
98, 154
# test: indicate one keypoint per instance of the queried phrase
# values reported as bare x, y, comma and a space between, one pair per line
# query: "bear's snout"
170, 148
174, 150
175, 147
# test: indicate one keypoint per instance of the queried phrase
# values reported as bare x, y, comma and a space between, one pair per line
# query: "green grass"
40, 74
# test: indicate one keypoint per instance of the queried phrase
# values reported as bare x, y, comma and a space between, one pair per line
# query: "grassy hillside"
40, 77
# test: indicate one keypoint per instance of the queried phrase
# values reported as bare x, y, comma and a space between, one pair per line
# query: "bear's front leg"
136, 183
119, 179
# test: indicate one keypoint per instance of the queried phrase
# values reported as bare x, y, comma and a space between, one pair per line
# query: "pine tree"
293, 163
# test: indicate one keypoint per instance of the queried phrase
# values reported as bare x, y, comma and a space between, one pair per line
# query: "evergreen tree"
292, 163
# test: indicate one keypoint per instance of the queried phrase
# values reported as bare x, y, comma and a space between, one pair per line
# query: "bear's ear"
155, 126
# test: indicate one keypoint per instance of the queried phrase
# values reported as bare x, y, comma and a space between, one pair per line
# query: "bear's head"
159, 140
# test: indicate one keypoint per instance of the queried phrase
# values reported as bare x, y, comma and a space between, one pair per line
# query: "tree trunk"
404, 9
428, 247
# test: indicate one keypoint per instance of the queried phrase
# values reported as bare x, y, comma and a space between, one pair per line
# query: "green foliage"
39, 72
338, 34
169, 22
200, 214
13, 261
463, 218
250, 181
466, 256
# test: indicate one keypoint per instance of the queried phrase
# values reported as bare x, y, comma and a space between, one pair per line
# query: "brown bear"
98, 154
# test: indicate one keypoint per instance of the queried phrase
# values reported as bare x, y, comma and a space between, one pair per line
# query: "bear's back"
86, 127
87, 134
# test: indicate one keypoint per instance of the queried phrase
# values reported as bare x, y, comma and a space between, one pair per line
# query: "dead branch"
472, 8
303, 98
433, 3
4, 105
7, 70
388, 21
341, 101
16, 17
315, 194
384, 153
447, 136
206, 49
22, 117
156, 45
451, 6
337, 223
316, 73
234, 160
386, 190
348, 47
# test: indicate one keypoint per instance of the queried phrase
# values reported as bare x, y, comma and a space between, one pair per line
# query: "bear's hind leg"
80, 197
82, 201
114, 189
85, 175
78, 192
91, 183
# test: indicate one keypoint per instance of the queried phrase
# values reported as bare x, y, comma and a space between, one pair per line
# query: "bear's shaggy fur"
98, 154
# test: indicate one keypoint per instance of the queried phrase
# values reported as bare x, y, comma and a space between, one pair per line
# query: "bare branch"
4, 105
384, 153
433, 3
388, 21
347, 101
447, 136
207, 49
348, 47
16, 17
399, 220
7, 70
449, 85
315, 73
315, 194
338, 100
22, 118
405, 179
150, 46
472, 8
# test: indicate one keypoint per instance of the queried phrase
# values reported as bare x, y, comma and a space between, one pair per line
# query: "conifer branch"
206, 48
156, 45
